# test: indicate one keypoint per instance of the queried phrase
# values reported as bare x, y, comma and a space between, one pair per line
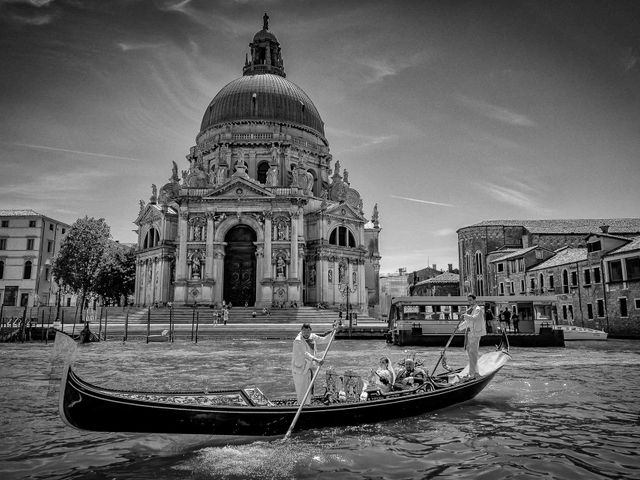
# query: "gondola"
248, 412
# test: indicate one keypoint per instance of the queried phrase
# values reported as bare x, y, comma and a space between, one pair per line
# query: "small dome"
264, 35
262, 97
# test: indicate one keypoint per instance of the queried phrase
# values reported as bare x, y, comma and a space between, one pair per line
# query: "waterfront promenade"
187, 323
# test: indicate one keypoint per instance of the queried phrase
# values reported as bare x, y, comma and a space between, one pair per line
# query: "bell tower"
266, 56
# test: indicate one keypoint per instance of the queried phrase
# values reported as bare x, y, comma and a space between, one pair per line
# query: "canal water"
550, 413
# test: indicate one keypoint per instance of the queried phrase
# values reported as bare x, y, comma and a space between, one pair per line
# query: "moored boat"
248, 412
572, 332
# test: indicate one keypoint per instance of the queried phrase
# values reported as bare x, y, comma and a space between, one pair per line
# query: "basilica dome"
263, 93
265, 97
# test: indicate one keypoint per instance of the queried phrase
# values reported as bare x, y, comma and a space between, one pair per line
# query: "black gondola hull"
87, 407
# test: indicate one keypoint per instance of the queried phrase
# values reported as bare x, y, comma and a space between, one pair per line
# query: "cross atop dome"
265, 53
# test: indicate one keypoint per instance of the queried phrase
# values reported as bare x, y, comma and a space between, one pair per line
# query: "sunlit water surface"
550, 413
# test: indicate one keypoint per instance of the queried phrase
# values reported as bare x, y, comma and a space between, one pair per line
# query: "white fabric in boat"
488, 363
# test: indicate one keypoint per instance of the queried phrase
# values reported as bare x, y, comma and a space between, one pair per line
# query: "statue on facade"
275, 154
221, 175
154, 193
330, 275
142, 205
280, 266
272, 176
213, 179
341, 273
174, 173
195, 267
374, 218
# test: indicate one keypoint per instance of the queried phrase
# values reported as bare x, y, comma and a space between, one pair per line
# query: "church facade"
261, 215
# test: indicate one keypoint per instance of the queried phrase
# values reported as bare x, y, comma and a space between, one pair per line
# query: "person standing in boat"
304, 357
516, 321
474, 325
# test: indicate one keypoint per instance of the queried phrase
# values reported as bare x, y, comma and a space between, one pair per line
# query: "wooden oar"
449, 342
308, 392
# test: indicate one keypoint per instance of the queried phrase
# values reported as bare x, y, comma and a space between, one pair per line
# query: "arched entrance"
240, 266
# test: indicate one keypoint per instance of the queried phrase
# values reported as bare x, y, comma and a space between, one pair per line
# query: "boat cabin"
440, 315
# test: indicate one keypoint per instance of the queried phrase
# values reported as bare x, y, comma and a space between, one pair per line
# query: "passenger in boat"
384, 377
474, 326
409, 375
304, 357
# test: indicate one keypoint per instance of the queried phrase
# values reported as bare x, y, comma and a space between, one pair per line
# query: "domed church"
261, 216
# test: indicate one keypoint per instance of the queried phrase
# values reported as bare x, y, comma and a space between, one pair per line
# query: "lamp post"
346, 290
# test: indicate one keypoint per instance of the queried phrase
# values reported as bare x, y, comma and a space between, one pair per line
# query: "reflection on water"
551, 413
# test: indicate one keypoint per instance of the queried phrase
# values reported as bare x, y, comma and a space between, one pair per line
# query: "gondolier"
475, 327
304, 357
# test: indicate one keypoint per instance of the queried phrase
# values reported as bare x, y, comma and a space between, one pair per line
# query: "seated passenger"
409, 375
384, 377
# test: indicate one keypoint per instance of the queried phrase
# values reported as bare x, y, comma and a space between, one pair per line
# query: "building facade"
477, 242
262, 216
593, 266
28, 243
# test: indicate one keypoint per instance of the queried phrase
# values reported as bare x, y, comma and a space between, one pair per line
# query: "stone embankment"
135, 323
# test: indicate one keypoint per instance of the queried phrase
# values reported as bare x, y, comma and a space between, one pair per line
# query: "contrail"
423, 201
54, 149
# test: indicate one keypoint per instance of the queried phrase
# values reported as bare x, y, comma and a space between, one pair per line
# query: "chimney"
450, 267
434, 266
604, 228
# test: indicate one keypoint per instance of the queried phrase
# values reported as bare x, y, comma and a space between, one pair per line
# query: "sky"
445, 113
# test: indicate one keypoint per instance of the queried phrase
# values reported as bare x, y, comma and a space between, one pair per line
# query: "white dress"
302, 362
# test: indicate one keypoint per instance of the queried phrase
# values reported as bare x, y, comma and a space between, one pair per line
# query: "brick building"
443, 285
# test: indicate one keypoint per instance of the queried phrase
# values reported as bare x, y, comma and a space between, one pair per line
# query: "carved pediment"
346, 212
239, 188
151, 213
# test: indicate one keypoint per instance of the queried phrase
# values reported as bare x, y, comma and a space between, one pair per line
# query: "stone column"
218, 271
293, 264
183, 229
362, 289
260, 263
209, 275
266, 258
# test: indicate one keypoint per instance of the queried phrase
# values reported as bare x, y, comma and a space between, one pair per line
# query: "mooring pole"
148, 323
126, 325
106, 318
197, 324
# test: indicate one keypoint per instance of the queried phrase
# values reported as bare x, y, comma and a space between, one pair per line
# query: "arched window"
479, 268
342, 237
263, 168
26, 274
151, 239
1, 269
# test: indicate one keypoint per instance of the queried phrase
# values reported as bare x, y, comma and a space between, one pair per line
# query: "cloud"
444, 232
630, 58
422, 201
125, 47
358, 141
77, 152
511, 195
493, 111
382, 68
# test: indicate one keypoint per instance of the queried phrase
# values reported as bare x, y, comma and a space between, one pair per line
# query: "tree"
117, 275
78, 262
